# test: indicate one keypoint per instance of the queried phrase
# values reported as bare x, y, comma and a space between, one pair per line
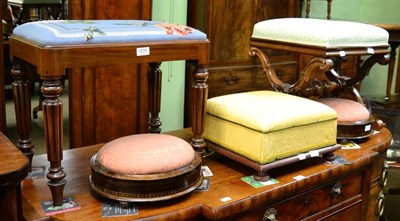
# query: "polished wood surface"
13, 169
3, 119
231, 69
98, 95
320, 77
310, 197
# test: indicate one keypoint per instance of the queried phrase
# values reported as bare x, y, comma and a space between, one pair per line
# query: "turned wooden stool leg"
392, 61
308, 7
200, 94
22, 103
155, 80
329, 9
53, 126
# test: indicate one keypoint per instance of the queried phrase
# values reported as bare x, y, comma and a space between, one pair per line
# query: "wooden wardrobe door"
107, 102
229, 26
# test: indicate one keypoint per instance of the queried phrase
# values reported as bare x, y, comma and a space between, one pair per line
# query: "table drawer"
228, 80
337, 196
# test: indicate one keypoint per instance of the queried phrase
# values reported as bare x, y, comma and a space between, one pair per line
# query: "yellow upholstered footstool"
267, 129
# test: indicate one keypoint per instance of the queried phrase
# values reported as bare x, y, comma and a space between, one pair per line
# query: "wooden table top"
13, 164
226, 182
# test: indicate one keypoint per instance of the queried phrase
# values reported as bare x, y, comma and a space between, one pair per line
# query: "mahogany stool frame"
51, 62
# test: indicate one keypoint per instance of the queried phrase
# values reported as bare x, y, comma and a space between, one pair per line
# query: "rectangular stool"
268, 129
329, 42
54, 46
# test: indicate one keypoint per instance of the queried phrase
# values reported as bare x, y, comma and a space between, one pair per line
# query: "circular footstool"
145, 168
354, 120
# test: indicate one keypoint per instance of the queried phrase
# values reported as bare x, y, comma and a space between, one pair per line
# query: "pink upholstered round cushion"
348, 111
145, 154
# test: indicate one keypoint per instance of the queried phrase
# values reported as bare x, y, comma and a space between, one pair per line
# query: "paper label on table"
225, 199
349, 145
69, 204
338, 160
299, 177
342, 53
256, 184
204, 186
143, 51
370, 51
113, 209
37, 172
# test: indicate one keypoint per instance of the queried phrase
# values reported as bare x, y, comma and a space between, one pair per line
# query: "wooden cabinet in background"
229, 25
97, 98
3, 119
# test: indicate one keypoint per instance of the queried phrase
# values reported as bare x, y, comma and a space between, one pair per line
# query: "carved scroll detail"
366, 66
309, 83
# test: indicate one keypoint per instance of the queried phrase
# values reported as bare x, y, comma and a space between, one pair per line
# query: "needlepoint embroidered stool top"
264, 126
65, 32
320, 32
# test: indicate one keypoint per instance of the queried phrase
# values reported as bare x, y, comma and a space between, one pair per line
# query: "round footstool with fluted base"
145, 168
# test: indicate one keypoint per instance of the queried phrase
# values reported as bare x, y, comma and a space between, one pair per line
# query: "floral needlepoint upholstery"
61, 32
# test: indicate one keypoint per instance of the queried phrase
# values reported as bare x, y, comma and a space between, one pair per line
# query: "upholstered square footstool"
268, 129
330, 35
329, 42
321, 46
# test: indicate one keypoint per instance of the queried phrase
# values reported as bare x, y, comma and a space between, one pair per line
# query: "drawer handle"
336, 190
231, 80
381, 204
270, 215
384, 175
